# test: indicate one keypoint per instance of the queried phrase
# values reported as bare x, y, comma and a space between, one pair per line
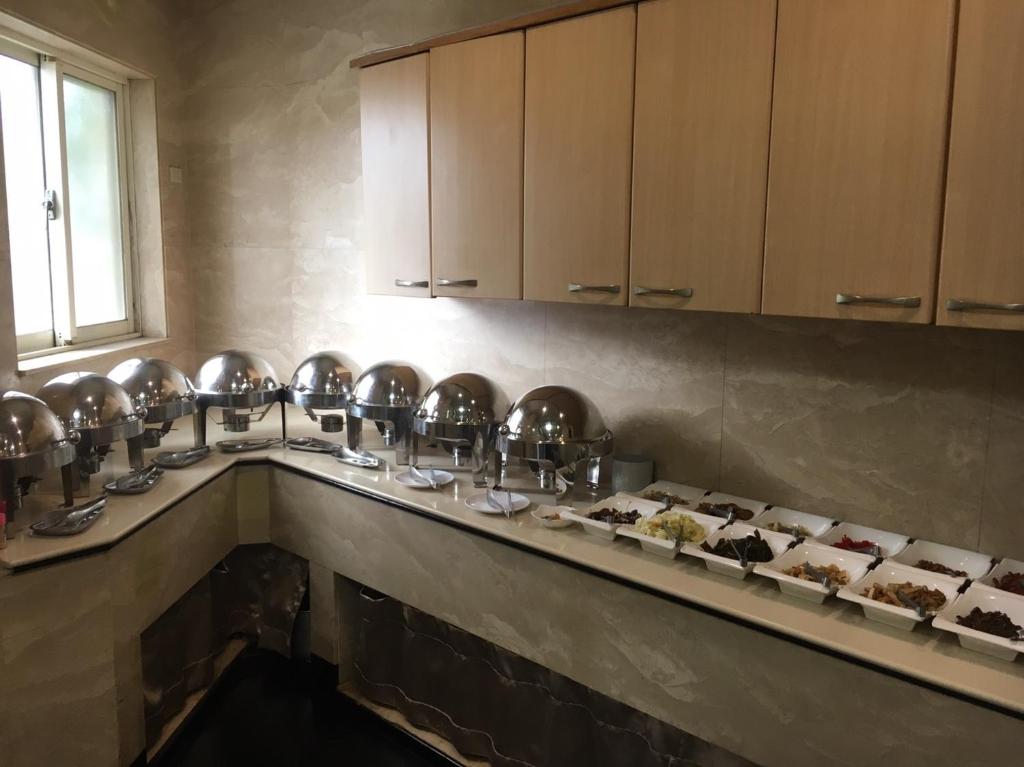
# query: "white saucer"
442, 478
478, 502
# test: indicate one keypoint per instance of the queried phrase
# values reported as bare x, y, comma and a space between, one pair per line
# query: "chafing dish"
239, 384
32, 441
457, 413
386, 394
553, 428
161, 388
321, 382
101, 413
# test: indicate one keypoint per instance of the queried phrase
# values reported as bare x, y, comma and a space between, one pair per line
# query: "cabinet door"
700, 153
859, 122
982, 264
476, 167
579, 125
396, 176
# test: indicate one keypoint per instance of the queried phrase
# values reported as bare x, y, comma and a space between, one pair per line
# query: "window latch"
50, 204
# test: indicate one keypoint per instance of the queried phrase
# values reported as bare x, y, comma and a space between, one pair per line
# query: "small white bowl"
1005, 566
988, 599
856, 566
890, 572
607, 530
889, 544
687, 492
971, 562
669, 548
755, 507
778, 542
791, 517
551, 516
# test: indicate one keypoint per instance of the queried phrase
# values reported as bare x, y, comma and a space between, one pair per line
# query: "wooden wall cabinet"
476, 167
982, 263
858, 148
396, 176
700, 153
578, 133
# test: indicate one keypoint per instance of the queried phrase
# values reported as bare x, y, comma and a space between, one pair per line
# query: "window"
66, 179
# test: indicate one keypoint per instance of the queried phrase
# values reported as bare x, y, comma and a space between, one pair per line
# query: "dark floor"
270, 711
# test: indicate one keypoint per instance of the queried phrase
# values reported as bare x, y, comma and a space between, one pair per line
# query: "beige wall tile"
881, 424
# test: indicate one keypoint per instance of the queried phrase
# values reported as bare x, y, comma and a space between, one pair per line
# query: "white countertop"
926, 654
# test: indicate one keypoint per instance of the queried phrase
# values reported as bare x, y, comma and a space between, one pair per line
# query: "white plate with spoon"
497, 502
425, 479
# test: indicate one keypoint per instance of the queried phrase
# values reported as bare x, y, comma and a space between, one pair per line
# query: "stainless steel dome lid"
321, 381
31, 435
236, 379
387, 384
89, 402
553, 415
554, 424
461, 400
157, 385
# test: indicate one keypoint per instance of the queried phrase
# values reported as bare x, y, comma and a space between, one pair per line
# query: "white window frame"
66, 332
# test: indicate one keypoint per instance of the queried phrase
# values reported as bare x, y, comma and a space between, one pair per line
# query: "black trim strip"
672, 598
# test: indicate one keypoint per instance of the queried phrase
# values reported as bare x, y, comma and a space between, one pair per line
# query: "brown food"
663, 497
889, 594
995, 622
806, 572
798, 531
615, 517
935, 567
751, 548
725, 509
1012, 582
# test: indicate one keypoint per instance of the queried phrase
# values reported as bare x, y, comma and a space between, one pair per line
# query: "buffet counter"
546, 594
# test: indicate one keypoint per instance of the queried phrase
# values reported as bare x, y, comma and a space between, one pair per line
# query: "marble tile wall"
139, 33
916, 429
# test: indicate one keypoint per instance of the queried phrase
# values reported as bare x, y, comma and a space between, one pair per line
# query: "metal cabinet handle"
442, 283
853, 298
963, 305
575, 287
412, 283
678, 292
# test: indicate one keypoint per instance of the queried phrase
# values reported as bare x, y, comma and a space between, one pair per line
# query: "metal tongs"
911, 604
741, 556
245, 445
426, 476
495, 501
818, 575
312, 444
361, 458
181, 458
136, 482
71, 521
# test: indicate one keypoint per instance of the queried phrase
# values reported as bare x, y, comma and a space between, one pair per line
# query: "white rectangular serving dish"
755, 507
856, 566
778, 542
971, 562
669, 548
889, 544
988, 599
893, 572
691, 494
606, 530
815, 524
1005, 566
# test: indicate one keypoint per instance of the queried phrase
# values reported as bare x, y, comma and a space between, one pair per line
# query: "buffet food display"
561, 439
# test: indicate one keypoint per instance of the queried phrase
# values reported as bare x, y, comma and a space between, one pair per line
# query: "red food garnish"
846, 542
